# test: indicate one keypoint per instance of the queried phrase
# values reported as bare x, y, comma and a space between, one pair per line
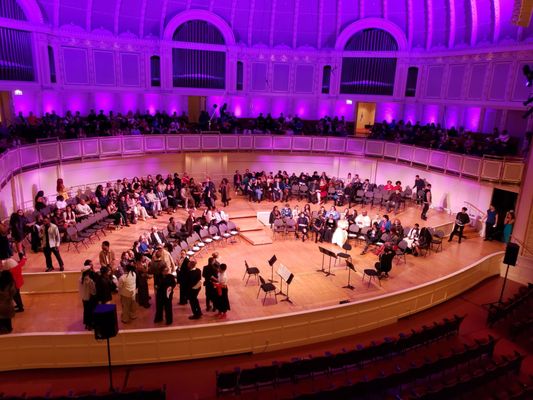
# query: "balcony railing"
502, 170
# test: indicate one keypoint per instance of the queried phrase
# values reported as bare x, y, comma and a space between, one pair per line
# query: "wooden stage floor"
309, 290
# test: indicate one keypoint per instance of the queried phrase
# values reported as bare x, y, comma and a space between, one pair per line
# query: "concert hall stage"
54, 306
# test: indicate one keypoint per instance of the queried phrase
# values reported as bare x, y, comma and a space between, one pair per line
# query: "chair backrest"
222, 228
213, 230
196, 237
72, 232
353, 228
439, 234
232, 226
278, 222
291, 223
261, 280
303, 188
246, 265
204, 233
402, 245
190, 241
184, 245
360, 193
369, 195
365, 230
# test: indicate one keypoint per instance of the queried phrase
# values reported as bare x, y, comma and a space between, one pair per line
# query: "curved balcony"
502, 170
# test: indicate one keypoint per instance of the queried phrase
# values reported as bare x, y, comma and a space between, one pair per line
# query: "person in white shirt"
61, 204
362, 220
127, 287
83, 209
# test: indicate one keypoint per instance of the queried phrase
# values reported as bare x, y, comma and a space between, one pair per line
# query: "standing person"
208, 272
141, 268
104, 286
7, 293
164, 294
508, 224
50, 239
127, 286
5, 247
419, 186
87, 289
427, 202
491, 221
194, 285
208, 193
221, 283
461, 220
183, 276
15, 268
18, 223
224, 192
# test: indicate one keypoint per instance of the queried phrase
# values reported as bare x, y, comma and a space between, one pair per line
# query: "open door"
6, 108
196, 106
364, 117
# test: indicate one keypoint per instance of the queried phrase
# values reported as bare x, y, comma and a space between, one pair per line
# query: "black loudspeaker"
105, 321
511, 254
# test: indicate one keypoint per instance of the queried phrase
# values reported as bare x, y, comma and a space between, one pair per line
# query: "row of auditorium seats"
498, 312
138, 394
237, 380
384, 385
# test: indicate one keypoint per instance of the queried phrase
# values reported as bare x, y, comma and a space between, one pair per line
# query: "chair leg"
244, 276
248, 279
264, 298
259, 291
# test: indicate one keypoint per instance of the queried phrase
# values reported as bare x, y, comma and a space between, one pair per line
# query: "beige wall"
449, 192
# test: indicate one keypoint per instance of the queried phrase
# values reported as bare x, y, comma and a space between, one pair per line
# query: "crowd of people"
28, 128
451, 139
165, 255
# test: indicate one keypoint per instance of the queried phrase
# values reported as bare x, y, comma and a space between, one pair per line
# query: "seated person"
61, 204
372, 237
384, 265
363, 220
318, 228
156, 237
83, 210
286, 211
412, 239
303, 226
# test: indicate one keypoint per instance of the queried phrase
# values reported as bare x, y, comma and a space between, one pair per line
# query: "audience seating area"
293, 371
141, 394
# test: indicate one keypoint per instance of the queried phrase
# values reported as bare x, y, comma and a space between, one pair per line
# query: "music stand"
286, 276
323, 251
271, 262
350, 269
331, 255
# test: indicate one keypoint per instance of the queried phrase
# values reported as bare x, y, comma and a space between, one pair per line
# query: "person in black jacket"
18, 223
384, 266
163, 297
104, 286
461, 220
210, 271
194, 286
183, 276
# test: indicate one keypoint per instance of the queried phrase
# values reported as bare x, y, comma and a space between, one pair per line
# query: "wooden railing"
34, 156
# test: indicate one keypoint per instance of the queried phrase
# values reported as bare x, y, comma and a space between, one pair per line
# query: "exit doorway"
6, 108
197, 104
365, 115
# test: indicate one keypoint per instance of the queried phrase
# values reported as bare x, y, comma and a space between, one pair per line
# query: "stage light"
17, 92
349, 102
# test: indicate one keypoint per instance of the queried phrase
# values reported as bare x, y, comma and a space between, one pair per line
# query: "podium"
286, 276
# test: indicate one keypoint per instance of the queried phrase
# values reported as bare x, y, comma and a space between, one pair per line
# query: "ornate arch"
367, 23
31, 10
202, 15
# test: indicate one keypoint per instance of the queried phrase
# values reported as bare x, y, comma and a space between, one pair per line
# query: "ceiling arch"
425, 24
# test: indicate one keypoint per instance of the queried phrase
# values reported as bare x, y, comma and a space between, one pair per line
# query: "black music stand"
350, 269
331, 255
323, 251
271, 262
289, 280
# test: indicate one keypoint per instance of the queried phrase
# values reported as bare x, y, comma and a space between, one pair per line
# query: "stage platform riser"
60, 350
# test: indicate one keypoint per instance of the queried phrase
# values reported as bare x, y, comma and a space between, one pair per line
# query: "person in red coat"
16, 271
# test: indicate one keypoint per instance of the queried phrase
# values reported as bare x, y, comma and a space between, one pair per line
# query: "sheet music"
284, 272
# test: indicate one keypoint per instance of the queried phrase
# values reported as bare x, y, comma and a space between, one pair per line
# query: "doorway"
197, 104
6, 108
364, 117
503, 201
